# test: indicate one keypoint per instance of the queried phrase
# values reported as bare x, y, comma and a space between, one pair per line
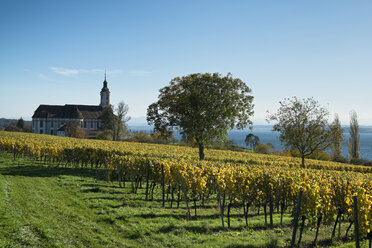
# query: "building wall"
90, 124
51, 125
105, 98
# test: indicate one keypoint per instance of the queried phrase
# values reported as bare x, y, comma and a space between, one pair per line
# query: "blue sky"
55, 52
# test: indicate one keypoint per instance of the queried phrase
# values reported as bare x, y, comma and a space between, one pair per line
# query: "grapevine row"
326, 194
57, 147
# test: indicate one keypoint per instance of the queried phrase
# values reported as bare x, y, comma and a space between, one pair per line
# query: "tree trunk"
303, 161
201, 152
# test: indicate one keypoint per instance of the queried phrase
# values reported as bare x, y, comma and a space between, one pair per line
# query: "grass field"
46, 206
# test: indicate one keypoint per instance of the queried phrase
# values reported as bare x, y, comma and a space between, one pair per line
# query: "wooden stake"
221, 207
356, 222
147, 180
271, 209
162, 184
295, 224
184, 193
317, 229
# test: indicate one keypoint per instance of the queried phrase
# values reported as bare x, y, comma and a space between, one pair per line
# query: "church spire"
105, 94
105, 82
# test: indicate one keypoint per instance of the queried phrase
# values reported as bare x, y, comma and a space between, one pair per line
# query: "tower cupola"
105, 94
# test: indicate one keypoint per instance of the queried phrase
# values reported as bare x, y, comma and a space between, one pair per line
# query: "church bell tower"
105, 94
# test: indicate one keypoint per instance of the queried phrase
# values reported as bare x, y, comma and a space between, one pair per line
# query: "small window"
91, 124
41, 123
51, 123
41, 131
85, 124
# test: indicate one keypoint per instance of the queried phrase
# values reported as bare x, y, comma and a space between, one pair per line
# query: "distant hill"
4, 123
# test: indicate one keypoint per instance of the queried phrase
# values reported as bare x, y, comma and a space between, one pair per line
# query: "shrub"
319, 155
340, 160
360, 161
263, 148
105, 135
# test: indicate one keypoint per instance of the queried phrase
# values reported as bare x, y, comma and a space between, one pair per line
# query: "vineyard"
322, 194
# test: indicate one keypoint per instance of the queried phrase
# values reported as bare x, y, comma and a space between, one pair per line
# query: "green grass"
46, 206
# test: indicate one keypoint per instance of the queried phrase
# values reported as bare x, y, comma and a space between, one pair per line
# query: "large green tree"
303, 126
203, 107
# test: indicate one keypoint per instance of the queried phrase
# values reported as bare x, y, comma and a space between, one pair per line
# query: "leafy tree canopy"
108, 118
252, 140
73, 129
354, 140
337, 137
203, 106
303, 125
20, 123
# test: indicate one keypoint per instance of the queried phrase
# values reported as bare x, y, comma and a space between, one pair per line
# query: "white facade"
105, 98
52, 119
51, 125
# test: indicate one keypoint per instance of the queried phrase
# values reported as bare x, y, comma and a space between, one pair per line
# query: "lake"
267, 136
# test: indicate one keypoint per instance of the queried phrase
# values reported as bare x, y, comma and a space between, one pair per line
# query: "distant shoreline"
266, 135
362, 128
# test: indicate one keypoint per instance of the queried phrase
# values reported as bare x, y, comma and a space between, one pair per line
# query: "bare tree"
121, 126
354, 140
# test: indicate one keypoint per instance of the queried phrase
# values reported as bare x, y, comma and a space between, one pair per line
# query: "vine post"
106, 169
163, 184
185, 194
147, 179
221, 206
356, 222
132, 177
295, 224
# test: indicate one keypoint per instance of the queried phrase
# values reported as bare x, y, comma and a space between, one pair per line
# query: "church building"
52, 119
